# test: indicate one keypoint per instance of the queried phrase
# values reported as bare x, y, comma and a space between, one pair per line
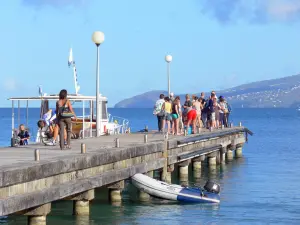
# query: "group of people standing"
212, 112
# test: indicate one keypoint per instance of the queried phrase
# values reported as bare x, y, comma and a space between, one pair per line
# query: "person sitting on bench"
23, 135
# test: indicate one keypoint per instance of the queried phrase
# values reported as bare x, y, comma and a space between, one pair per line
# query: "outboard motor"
212, 187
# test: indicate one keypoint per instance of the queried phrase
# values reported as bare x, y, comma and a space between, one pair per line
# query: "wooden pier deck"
28, 187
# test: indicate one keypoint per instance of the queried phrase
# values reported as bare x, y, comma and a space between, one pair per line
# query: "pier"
33, 176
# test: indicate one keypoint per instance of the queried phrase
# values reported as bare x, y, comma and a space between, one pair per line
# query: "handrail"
215, 135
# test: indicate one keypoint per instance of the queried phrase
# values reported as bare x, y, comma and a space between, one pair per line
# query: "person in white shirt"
159, 112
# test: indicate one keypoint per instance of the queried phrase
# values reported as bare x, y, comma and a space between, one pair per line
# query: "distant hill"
282, 93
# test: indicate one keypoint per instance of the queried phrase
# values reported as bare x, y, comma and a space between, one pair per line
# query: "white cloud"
10, 84
283, 9
258, 11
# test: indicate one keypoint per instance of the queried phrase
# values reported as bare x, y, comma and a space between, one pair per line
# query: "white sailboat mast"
71, 62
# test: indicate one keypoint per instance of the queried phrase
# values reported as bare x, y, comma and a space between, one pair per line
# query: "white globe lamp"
168, 58
98, 37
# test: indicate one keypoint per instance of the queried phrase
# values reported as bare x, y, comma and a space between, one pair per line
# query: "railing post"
37, 155
83, 148
117, 143
145, 138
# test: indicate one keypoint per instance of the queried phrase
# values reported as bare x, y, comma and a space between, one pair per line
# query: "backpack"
64, 111
229, 107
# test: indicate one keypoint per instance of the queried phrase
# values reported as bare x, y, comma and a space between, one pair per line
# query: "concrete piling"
81, 202
183, 172
165, 156
115, 191
212, 161
197, 167
115, 195
168, 178
36, 220
143, 196
145, 138
37, 215
150, 173
223, 155
218, 158
229, 155
81, 207
239, 152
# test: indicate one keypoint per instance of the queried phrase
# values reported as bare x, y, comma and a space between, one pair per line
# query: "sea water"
260, 188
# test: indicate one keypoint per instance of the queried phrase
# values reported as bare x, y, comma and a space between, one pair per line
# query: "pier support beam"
81, 202
81, 208
115, 191
239, 151
197, 167
150, 173
218, 158
168, 178
143, 196
229, 153
37, 215
184, 170
168, 174
223, 154
212, 159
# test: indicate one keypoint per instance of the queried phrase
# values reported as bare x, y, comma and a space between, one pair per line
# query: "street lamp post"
168, 59
98, 38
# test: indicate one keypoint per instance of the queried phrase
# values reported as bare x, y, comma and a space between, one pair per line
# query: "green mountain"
282, 93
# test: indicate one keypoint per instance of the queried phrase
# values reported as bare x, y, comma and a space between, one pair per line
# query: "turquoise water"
260, 188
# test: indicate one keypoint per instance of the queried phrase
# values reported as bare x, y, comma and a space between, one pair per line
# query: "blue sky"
215, 44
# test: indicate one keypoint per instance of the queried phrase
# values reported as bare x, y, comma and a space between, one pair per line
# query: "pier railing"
122, 123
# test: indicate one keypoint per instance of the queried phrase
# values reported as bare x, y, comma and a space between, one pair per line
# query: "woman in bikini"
64, 107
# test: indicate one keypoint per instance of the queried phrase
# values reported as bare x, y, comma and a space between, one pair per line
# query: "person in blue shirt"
23, 135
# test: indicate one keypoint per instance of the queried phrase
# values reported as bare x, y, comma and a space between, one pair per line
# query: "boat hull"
173, 192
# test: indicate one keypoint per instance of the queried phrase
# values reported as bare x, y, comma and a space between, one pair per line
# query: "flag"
40, 91
71, 62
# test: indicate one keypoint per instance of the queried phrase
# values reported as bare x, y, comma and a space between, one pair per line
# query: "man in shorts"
212, 113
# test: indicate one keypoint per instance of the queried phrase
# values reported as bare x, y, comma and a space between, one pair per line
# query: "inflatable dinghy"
156, 188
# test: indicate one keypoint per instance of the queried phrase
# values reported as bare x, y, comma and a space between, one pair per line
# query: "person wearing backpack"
159, 112
227, 114
64, 111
